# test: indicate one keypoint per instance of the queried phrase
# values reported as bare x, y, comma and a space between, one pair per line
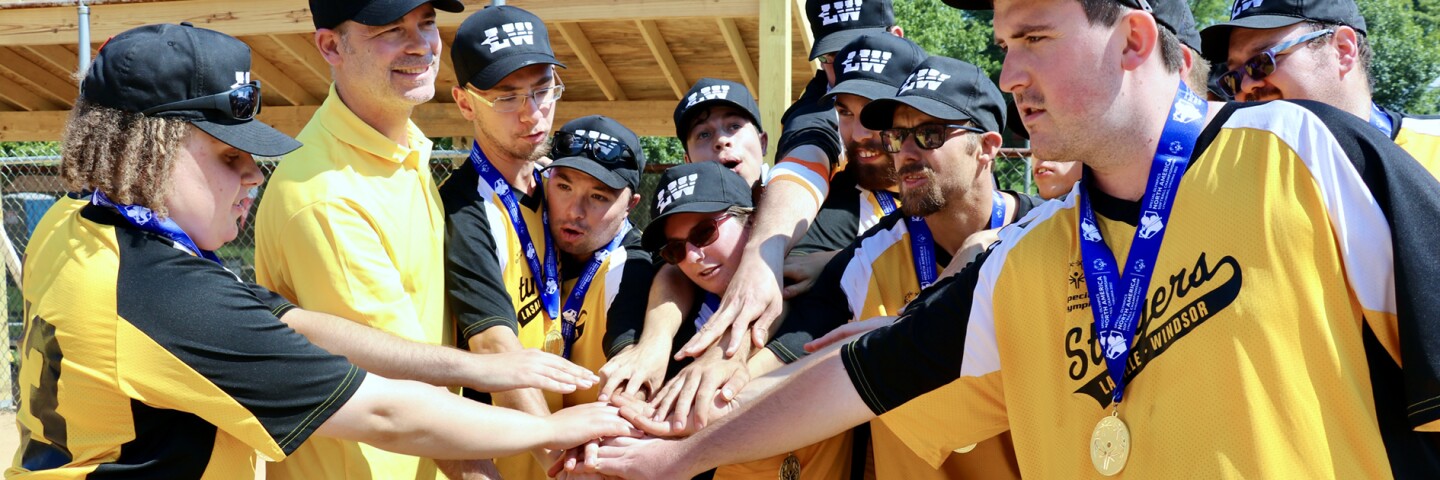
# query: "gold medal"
966, 449
790, 468
554, 342
1110, 445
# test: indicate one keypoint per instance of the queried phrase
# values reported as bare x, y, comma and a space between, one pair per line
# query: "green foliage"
29, 149
658, 150
942, 30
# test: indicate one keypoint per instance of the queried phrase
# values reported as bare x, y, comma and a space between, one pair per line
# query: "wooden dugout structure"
631, 60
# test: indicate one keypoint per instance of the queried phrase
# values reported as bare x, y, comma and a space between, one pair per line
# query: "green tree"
1406, 60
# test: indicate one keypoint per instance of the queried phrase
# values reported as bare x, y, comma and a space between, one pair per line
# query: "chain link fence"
30, 184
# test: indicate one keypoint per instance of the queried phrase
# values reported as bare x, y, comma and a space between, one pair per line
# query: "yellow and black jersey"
1292, 285
620, 293
140, 360
875, 276
1420, 136
848, 211
487, 280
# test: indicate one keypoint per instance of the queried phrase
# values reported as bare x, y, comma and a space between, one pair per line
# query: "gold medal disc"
1110, 445
966, 449
790, 468
554, 342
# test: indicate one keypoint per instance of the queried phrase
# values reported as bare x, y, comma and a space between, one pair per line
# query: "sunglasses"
701, 235
541, 97
568, 144
1263, 64
240, 103
928, 137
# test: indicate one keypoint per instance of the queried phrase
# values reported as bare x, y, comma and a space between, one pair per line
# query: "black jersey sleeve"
475, 292
809, 121
921, 351
210, 325
626, 316
278, 305
815, 313
838, 221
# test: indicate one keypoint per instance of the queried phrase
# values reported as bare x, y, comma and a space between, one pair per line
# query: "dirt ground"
9, 437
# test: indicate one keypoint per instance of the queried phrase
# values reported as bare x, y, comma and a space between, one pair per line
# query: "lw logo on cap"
712, 92
846, 11
518, 33
866, 60
605, 142
1243, 5
929, 79
241, 78
677, 189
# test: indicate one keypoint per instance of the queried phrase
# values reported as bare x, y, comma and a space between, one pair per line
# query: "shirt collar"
341, 122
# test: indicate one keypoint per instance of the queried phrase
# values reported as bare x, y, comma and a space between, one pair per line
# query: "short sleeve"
475, 293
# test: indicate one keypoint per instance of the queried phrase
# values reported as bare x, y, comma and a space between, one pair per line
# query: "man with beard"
1296, 266
1312, 51
944, 135
501, 267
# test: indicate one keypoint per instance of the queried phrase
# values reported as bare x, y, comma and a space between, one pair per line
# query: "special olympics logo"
1150, 224
501, 187
1114, 344
550, 287
1089, 231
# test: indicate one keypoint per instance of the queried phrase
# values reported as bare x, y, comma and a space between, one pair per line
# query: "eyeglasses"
701, 235
928, 137
240, 103
568, 144
541, 97
1263, 64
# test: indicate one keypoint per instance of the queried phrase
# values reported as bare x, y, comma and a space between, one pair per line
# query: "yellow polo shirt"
351, 225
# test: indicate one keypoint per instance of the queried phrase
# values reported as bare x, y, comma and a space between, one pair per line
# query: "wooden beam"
58, 58
57, 25
580, 44
18, 94
664, 57
49, 86
802, 25
272, 79
736, 43
645, 117
775, 43
302, 48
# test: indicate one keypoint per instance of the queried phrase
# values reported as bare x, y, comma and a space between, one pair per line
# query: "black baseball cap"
874, 66
834, 23
598, 137
1276, 14
154, 67
495, 42
708, 92
1172, 14
944, 88
699, 187
332, 13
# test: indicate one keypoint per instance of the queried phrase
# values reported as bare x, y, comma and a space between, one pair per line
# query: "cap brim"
860, 87
497, 71
683, 129
606, 176
837, 40
971, 4
384, 13
1215, 39
880, 114
253, 137
654, 236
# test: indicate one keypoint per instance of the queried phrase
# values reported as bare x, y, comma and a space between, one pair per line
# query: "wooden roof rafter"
580, 44
55, 89
656, 42
736, 43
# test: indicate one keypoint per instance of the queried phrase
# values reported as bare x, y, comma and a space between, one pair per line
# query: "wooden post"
775, 40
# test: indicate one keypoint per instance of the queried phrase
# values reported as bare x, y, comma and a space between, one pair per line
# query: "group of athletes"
873, 306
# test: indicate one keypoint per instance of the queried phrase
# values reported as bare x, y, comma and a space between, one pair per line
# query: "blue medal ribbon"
1116, 321
708, 308
1381, 121
145, 219
886, 201
547, 281
997, 210
577, 295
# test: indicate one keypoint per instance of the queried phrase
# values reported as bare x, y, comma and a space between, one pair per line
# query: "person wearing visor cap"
1312, 50
171, 366
502, 272
352, 224
1239, 241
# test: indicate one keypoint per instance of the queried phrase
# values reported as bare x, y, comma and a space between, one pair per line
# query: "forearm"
790, 408
501, 340
671, 295
380, 352
400, 416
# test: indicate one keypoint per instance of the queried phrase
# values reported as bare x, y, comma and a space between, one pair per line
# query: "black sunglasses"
928, 137
701, 235
1264, 63
568, 144
240, 103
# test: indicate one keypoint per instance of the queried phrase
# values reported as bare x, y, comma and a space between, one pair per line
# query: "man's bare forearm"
381, 352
